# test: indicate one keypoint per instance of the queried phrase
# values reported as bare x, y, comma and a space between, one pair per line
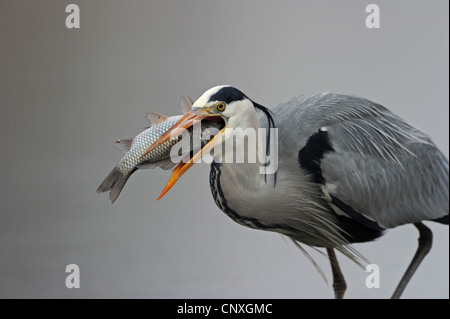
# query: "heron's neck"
241, 163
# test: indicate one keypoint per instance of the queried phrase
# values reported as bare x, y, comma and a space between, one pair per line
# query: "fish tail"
114, 183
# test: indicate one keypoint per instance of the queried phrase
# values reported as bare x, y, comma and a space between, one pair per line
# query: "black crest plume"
271, 122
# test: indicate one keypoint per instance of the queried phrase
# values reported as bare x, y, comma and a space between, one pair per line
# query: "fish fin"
123, 145
114, 183
186, 104
155, 118
164, 164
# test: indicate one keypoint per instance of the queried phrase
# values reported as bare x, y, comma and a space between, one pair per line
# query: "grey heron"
348, 169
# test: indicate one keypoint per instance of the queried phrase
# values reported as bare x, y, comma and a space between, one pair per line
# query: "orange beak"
185, 122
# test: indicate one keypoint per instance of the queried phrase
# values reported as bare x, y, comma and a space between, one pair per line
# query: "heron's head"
224, 104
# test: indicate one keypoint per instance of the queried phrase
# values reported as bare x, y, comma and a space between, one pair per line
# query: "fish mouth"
187, 122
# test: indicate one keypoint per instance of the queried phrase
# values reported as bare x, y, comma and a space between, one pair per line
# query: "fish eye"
220, 106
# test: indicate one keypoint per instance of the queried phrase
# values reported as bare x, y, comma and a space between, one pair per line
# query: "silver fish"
136, 147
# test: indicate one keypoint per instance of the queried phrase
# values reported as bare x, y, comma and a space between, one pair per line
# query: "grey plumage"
384, 169
348, 169
381, 166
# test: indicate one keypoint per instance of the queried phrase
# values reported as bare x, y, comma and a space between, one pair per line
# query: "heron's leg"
339, 284
425, 241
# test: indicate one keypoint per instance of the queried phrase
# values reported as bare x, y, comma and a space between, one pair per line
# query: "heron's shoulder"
312, 103
303, 115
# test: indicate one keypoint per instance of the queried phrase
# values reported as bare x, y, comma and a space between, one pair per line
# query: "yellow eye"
220, 106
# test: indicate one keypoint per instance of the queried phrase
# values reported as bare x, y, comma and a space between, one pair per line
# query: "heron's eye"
220, 106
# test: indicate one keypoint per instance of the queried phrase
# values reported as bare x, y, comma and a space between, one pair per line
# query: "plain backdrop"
67, 94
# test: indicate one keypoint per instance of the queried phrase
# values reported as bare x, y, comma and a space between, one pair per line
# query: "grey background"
67, 95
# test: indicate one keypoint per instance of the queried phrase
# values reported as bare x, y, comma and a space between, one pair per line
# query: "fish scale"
143, 141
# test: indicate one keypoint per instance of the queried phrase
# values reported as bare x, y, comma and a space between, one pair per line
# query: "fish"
135, 148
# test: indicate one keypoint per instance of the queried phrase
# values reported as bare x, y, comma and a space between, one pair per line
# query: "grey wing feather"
386, 170
387, 186
382, 167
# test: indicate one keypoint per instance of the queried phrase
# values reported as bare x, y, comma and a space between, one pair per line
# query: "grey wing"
386, 170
